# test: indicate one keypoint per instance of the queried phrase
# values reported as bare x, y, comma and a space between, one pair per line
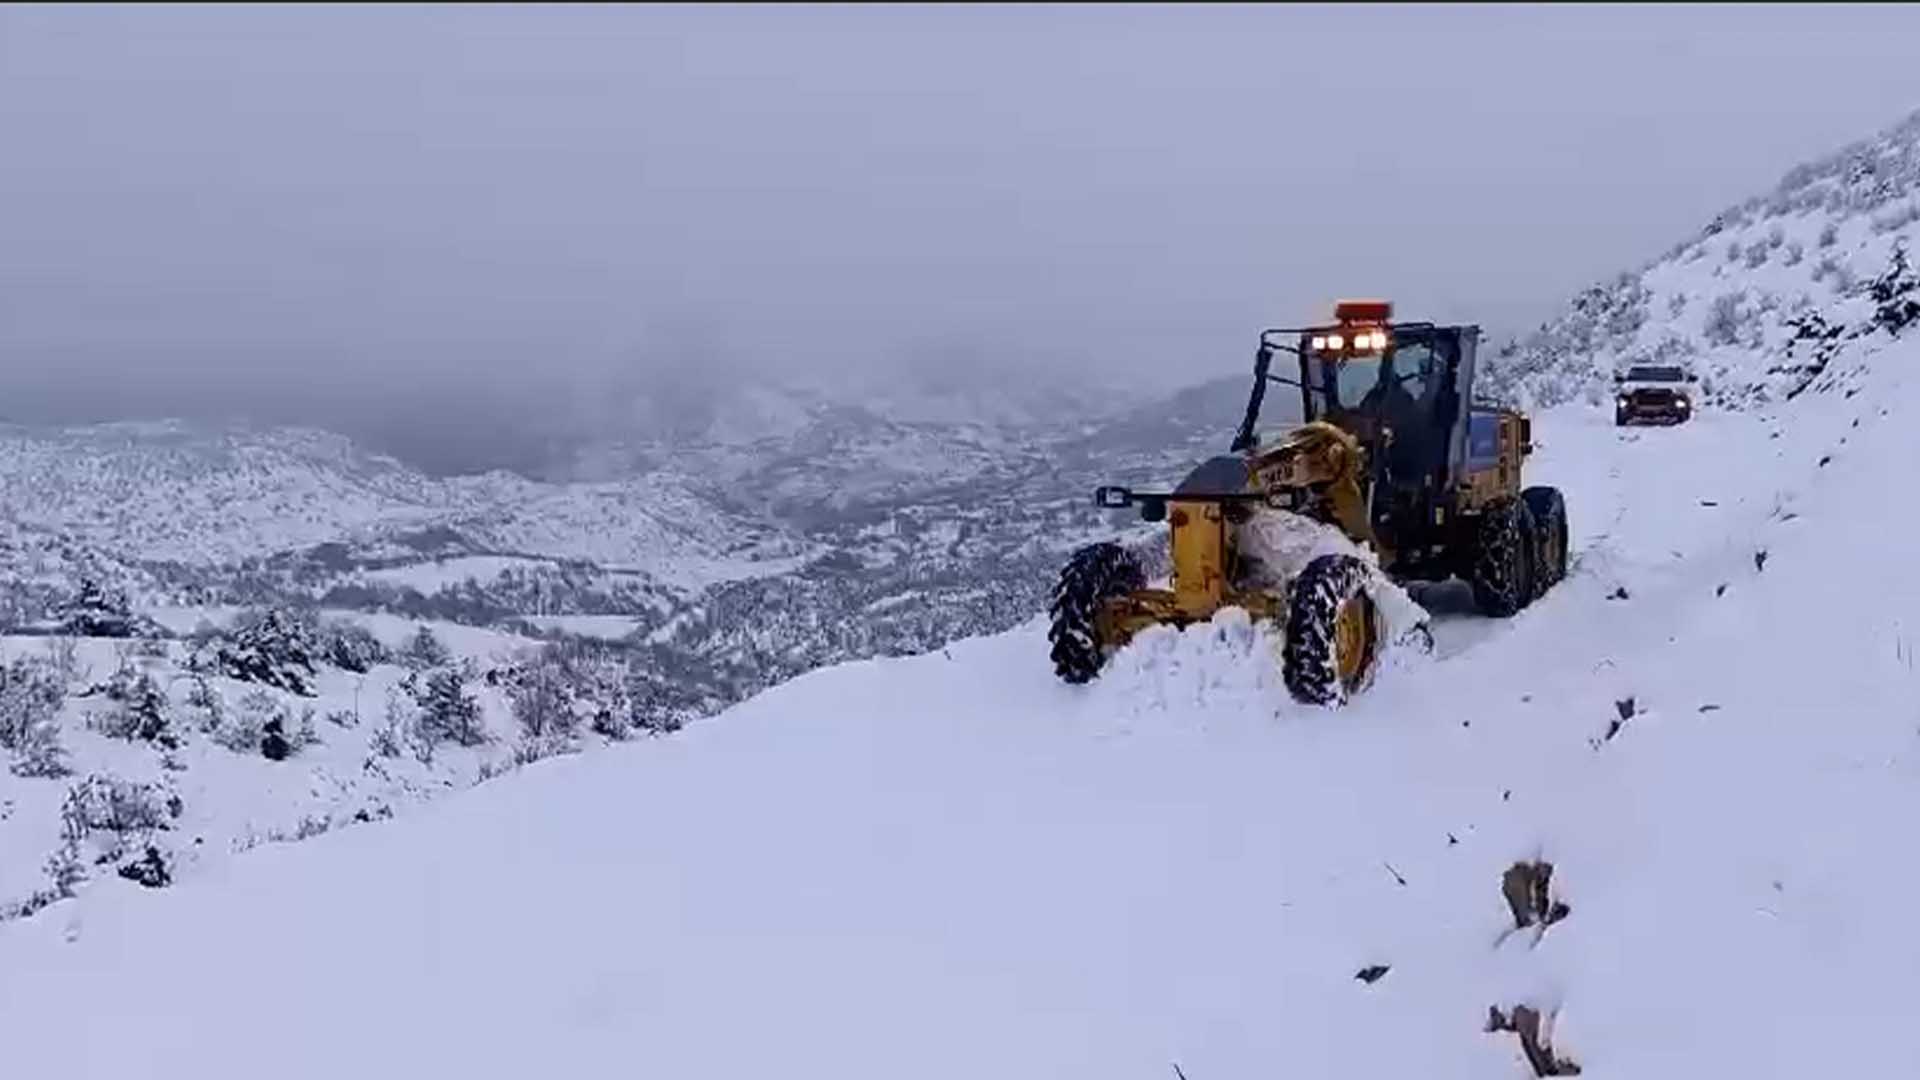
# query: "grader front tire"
1332, 632
1095, 574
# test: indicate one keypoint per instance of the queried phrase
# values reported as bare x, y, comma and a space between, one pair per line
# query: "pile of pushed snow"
1736, 301
954, 866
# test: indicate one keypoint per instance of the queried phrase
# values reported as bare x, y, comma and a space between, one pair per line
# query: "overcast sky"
335, 210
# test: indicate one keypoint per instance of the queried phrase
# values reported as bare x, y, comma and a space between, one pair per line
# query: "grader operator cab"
1395, 475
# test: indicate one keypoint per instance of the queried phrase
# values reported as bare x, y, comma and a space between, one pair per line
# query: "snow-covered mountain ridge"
170, 492
1732, 301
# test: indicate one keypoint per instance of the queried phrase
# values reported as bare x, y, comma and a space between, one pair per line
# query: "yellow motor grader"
1394, 475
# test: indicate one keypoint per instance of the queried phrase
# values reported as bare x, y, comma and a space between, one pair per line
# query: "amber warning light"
1363, 311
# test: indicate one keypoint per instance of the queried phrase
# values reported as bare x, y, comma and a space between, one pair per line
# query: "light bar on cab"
1364, 341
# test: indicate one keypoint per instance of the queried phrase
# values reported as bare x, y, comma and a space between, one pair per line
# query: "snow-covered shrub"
1776, 236
350, 646
1795, 252
1893, 294
542, 705
31, 694
98, 610
263, 724
107, 803
425, 650
242, 728
66, 867
1733, 251
651, 705
1725, 320
272, 648
126, 815
39, 753
152, 869
1757, 254
446, 712
611, 721
139, 712
1829, 234
205, 706
282, 735
1676, 304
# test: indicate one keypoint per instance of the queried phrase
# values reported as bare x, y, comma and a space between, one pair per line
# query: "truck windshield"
1655, 374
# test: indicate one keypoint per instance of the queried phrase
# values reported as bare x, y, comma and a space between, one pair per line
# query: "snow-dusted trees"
1893, 294
350, 646
259, 724
425, 650
447, 713
97, 609
138, 711
32, 692
121, 817
272, 648
541, 697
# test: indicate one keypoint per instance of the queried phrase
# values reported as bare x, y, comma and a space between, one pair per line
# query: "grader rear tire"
1549, 509
1332, 632
1095, 574
1503, 558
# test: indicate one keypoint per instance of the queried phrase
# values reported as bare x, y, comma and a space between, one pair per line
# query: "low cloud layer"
437, 222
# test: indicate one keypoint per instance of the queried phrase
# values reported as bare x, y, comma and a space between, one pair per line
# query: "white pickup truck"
1653, 392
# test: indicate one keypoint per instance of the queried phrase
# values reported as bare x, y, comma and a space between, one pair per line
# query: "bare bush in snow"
63, 653
39, 753
140, 711
1725, 320
107, 803
425, 650
32, 692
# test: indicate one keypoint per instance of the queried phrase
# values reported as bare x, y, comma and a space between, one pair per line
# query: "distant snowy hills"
765, 518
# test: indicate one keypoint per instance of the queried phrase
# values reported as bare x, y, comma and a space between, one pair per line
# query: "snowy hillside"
1748, 301
953, 866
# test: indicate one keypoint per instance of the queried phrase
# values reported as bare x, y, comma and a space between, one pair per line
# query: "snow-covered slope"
1728, 300
953, 866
